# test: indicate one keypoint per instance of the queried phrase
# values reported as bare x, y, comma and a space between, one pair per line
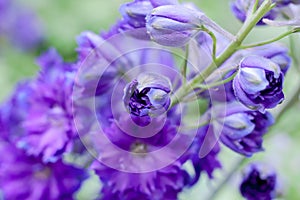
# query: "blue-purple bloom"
259, 182
131, 172
240, 128
147, 163
148, 95
27, 177
49, 124
258, 84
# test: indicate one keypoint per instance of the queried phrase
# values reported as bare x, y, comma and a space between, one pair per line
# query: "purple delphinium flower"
107, 66
259, 182
49, 123
240, 9
148, 95
27, 177
162, 184
240, 128
258, 84
136, 163
277, 53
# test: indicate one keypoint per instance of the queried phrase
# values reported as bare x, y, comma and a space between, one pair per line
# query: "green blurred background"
64, 20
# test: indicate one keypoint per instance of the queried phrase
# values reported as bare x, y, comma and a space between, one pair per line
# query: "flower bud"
259, 182
149, 95
258, 84
240, 128
135, 12
173, 25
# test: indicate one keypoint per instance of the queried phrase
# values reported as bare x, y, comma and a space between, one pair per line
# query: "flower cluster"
36, 130
125, 106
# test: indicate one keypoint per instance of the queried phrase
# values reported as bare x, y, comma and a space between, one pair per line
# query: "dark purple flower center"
274, 84
140, 103
274, 88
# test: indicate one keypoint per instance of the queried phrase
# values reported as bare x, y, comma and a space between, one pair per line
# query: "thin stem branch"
184, 67
214, 40
215, 84
272, 40
255, 6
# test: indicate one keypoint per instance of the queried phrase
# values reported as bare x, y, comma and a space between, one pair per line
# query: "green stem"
204, 87
215, 84
272, 40
231, 49
214, 40
201, 124
255, 6
184, 67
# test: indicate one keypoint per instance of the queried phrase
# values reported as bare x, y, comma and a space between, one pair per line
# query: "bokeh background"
62, 21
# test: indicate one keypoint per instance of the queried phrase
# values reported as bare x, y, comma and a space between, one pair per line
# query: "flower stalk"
231, 49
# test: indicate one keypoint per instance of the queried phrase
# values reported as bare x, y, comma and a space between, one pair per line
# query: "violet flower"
27, 177
49, 124
240, 128
258, 84
131, 160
